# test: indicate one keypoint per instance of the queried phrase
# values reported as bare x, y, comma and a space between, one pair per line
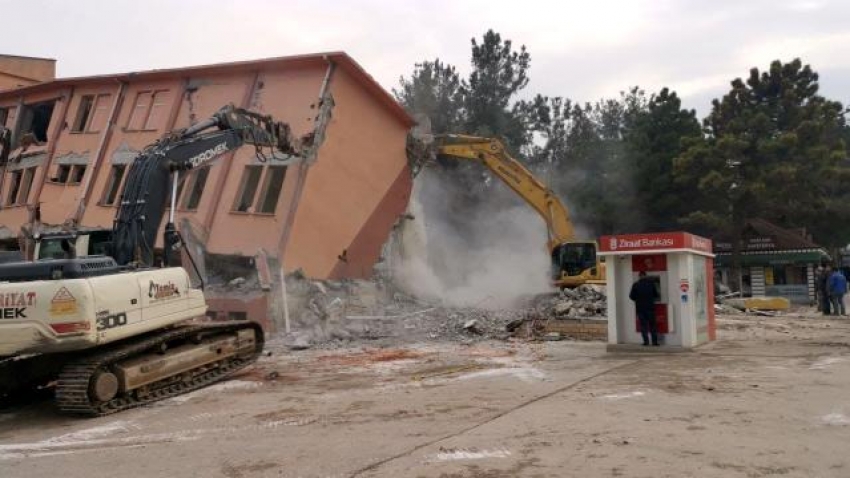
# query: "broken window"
35, 121
272, 186
14, 186
19, 188
199, 180
248, 188
10, 118
83, 112
63, 172
26, 185
77, 173
113, 184
92, 114
149, 111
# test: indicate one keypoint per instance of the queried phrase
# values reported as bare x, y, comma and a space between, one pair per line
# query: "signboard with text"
661, 241
749, 244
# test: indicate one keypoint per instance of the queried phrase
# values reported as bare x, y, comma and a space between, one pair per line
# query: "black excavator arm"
154, 175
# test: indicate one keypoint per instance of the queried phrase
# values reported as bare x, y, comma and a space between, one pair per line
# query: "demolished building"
328, 215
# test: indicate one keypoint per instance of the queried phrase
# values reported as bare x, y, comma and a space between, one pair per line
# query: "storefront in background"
774, 262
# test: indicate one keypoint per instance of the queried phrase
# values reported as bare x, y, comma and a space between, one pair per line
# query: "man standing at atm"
644, 294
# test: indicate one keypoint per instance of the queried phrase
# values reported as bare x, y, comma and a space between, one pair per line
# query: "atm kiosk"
682, 266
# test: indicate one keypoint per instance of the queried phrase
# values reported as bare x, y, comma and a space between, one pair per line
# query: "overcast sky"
583, 50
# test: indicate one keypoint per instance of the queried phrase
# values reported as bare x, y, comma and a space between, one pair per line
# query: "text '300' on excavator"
114, 331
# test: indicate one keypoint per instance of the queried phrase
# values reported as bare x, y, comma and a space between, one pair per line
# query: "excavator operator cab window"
52, 248
573, 258
100, 243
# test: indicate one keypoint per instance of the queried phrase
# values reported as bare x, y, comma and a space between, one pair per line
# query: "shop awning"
777, 258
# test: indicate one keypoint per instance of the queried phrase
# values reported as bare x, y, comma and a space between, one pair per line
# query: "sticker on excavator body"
63, 303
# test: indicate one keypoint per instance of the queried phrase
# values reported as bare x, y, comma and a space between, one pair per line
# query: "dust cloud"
481, 248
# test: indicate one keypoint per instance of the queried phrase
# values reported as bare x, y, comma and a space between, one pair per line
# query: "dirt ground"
770, 398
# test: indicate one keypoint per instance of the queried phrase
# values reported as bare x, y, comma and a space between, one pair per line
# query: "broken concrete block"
761, 303
321, 287
563, 308
297, 341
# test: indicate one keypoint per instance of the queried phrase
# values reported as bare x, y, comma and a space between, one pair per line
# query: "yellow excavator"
573, 262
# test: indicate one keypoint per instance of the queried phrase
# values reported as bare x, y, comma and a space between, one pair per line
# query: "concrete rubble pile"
330, 314
583, 301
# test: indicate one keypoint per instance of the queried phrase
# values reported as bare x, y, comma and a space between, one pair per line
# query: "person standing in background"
644, 294
837, 289
823, 287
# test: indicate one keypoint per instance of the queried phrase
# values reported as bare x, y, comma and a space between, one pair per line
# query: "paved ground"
771, 399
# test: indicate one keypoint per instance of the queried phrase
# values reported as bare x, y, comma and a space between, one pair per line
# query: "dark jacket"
644, 294
822, 279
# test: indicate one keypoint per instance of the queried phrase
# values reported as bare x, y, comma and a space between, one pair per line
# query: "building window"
113, 184
69, 173
63, 172
272, 186
9, 123
77, 173
100, 116
20, 186
158, 110
149, 111
26, 185
248, 188
91, 114
199, 180
4, 115
83, 113
14, 187
35, 121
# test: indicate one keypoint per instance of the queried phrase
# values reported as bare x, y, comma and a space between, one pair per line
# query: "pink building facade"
74, 139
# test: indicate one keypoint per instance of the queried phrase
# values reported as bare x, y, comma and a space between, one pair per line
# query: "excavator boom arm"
147, 191
491, 152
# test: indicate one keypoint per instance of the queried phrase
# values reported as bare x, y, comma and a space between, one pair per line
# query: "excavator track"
75, 382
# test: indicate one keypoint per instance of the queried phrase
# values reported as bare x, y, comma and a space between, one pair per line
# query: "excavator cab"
576, 263
84, 243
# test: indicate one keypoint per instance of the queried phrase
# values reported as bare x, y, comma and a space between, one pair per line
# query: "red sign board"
654, 242
649, 263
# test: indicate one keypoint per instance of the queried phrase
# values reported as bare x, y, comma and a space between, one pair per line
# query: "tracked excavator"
574, 262
116, 331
